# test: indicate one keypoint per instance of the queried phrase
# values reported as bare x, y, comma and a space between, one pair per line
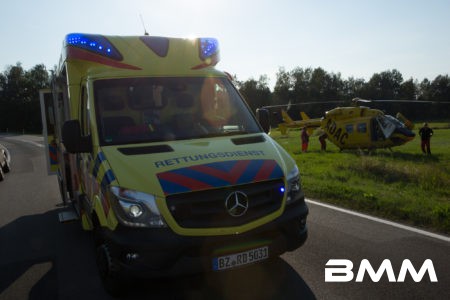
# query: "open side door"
51, 110
49, 132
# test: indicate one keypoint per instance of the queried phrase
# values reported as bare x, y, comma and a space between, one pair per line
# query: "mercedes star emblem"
236, 204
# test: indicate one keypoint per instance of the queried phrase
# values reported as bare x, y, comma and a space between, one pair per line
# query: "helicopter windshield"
387, 125
396, 121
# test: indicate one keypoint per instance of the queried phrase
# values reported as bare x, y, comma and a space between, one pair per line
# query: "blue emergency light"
208, 47
94, 43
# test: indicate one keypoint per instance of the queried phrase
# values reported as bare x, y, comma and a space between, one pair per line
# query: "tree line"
20, 108
316, 91
19, 98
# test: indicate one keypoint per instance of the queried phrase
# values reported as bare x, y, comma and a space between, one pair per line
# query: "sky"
355, 38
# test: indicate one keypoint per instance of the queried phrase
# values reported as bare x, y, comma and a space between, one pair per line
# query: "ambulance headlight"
133, 210
294, 189
136, 209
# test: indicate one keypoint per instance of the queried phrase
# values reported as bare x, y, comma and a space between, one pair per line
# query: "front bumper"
162, 253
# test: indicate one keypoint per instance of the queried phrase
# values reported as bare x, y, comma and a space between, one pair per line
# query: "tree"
385, 85
20, 98
283, 87
13, 93
439, 92
256, 93
352, 88
408, 90
424, 88
334, 87
317, 84
37, 78
301, 85
440, 89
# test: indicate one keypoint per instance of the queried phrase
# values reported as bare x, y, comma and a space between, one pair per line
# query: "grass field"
403, 185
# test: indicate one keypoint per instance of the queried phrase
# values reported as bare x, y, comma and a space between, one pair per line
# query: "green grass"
403, 185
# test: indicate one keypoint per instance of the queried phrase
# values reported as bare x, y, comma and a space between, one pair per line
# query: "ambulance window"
146, 95
215, 102
224, 110
154, 109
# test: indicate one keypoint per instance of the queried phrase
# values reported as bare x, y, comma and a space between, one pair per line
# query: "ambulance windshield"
137, 110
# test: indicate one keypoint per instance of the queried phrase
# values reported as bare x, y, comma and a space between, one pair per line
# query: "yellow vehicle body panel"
141, 172
163, 159
84, 61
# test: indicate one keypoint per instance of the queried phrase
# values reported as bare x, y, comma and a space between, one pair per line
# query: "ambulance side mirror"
73, 140
262, 115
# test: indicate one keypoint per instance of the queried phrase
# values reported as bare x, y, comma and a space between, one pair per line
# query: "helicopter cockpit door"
386, 126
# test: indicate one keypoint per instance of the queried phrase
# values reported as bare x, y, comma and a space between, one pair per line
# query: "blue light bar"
208, 47
94, 43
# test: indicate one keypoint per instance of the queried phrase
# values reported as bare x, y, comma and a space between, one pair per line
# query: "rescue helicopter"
355, 127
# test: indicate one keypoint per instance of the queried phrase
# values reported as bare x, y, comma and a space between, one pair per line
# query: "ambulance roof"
100, 56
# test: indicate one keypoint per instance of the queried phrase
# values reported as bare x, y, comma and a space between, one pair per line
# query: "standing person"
305, 140
323, 142
425, 134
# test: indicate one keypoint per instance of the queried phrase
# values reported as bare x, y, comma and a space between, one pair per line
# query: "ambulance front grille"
206, 209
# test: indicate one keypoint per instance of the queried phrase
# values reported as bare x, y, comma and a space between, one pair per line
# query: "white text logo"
340, 270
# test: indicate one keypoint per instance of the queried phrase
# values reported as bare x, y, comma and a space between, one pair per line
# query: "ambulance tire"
108, 271
2, 175
7, 166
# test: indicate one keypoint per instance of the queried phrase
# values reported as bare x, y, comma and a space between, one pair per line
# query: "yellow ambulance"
162, 158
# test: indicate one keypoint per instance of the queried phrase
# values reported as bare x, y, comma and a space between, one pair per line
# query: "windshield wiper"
224, 133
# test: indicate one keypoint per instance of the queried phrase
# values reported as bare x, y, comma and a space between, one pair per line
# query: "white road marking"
20, 288
364, 216
32, 142
25, 141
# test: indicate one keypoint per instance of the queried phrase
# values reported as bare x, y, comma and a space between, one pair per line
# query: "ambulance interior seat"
112, 126
114, 120
182, 122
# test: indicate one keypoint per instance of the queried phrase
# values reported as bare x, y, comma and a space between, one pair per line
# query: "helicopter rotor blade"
357, 99
399, 101
304, 103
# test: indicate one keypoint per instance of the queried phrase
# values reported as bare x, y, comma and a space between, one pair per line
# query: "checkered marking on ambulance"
104, 178
218, 174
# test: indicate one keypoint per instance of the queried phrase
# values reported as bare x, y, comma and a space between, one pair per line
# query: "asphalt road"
43, 259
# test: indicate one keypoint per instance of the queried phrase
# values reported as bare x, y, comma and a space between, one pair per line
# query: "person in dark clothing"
323, 142
305, 140
425, 134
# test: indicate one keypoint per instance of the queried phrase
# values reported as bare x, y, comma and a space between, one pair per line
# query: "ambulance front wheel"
108, 270
107, 266
7, 166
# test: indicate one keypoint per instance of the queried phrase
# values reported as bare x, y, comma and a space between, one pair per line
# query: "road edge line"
25, 141
379, 220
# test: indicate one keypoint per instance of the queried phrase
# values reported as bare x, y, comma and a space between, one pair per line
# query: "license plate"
240, 259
